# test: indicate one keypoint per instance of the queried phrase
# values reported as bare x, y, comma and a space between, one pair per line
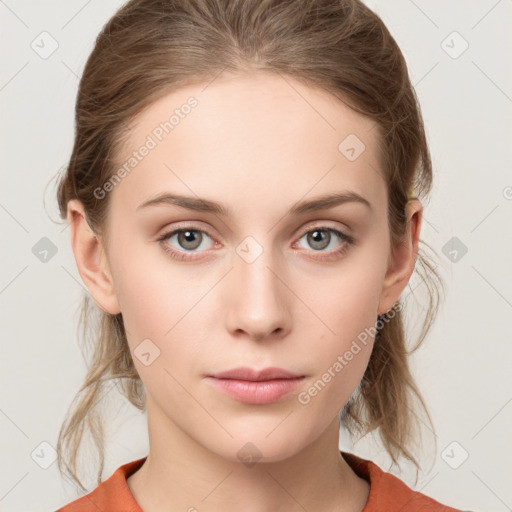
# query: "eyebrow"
205, 205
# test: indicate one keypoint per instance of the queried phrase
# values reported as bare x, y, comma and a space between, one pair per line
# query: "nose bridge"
255, 268
258, 305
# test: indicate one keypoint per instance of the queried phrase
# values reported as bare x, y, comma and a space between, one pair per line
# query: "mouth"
256, 387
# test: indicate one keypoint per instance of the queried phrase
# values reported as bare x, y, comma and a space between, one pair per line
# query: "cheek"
346, 299
329, 391
340, 358
158, 301
347, 305
161, 321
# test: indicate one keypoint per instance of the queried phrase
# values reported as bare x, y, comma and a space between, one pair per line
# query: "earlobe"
91, 259
403, 258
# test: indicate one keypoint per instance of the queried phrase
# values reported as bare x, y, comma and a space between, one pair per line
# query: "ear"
403, 258
91, 259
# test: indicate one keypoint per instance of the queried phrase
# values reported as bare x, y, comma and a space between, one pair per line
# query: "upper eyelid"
316, 224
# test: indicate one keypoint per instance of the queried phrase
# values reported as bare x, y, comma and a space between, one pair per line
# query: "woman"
244, 198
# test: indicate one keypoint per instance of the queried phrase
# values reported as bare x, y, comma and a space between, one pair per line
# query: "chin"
261, 447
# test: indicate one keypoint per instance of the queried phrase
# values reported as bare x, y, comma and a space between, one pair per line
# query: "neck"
180, 474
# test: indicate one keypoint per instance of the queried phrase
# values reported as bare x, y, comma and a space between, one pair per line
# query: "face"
260, 281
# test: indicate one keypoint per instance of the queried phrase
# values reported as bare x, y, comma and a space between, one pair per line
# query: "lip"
256, 386
246, 373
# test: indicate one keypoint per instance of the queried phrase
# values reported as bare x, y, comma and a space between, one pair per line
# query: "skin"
258, 144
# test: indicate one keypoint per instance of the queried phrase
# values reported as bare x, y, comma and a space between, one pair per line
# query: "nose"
259, 300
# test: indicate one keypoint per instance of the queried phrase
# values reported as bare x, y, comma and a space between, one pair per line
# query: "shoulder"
388, 493
113, 494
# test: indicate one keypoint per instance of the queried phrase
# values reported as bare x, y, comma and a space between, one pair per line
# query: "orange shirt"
387, 492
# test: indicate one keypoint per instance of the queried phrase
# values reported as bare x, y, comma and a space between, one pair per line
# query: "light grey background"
464, 368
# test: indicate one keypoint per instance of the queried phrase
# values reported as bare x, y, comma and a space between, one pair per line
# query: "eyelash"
346, 240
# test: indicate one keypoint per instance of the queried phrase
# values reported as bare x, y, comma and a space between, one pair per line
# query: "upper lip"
246, 373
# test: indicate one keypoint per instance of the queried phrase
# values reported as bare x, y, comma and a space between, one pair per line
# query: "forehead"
241, 137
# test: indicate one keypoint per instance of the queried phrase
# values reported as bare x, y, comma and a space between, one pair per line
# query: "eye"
188, 240
322, 237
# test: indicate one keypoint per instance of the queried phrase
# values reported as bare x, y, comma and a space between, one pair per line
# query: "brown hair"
151, 47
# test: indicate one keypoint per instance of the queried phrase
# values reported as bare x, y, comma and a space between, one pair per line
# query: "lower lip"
260, 392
